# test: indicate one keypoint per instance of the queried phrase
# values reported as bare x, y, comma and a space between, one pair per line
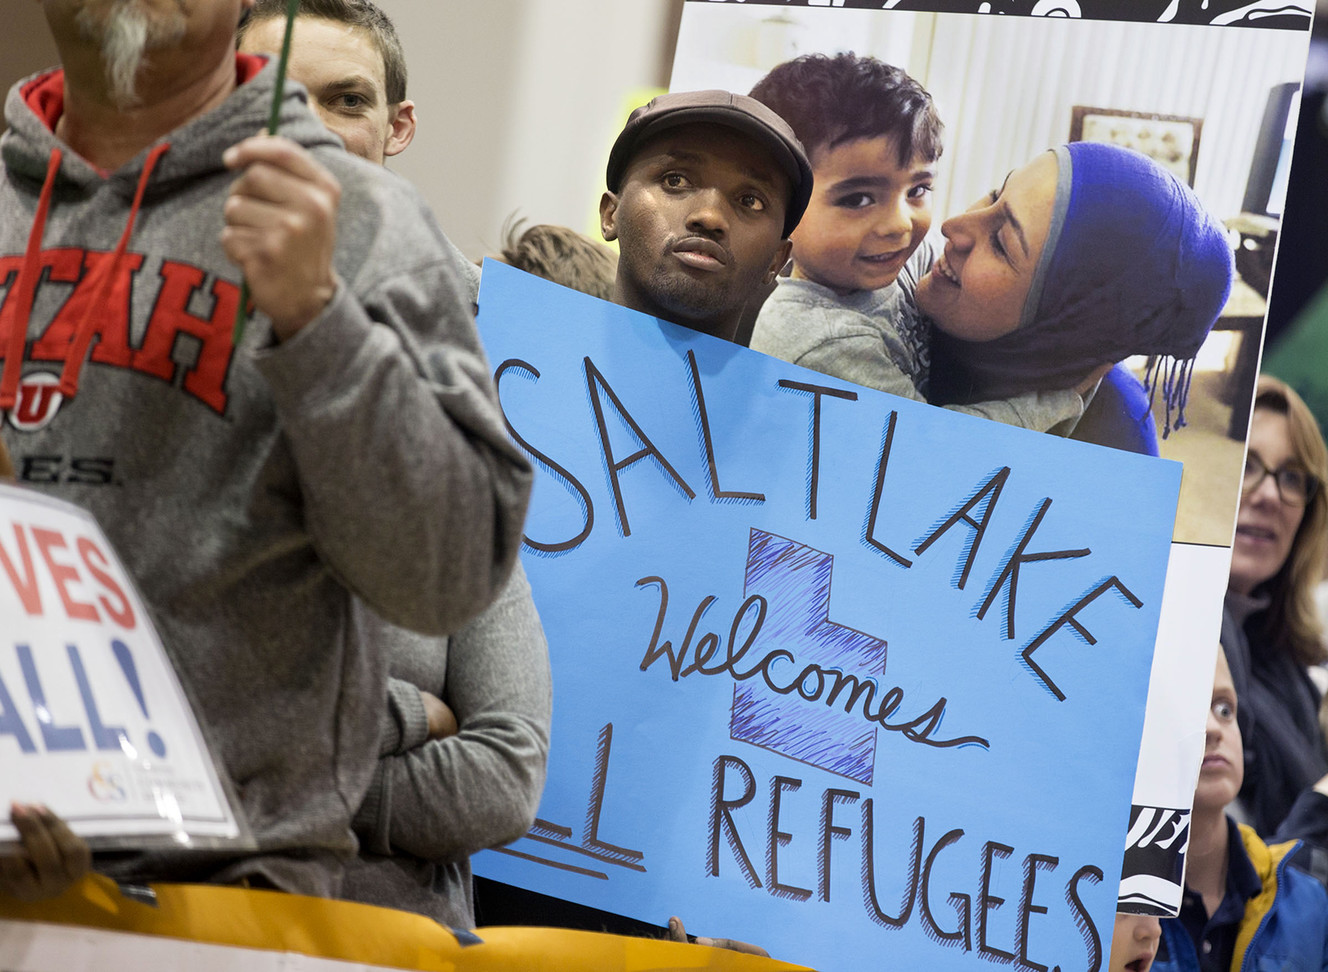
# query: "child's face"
1223, 767
1134, 942
867, 215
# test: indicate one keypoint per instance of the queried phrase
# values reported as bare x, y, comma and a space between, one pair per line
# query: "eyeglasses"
1295, 486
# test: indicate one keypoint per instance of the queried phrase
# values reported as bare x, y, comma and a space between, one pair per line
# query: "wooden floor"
1210, 485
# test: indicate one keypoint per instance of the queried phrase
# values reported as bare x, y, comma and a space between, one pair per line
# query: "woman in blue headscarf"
1089, 254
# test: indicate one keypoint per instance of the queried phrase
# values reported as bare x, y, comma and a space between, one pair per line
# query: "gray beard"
126, 34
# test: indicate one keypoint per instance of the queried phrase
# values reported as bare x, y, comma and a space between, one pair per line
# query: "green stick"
273, 117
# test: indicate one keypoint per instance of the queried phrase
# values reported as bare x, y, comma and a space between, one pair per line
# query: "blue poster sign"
838, 673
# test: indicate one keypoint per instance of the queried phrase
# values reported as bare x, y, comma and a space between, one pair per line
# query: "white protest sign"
93, 722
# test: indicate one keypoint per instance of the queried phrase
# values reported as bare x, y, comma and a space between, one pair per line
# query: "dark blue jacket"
1285, 928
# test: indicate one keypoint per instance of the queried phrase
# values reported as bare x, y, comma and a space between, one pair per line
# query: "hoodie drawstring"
78, 346
18, 306
17, 310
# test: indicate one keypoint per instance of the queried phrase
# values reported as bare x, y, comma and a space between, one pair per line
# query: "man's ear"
781, 257
402, 128
608, 216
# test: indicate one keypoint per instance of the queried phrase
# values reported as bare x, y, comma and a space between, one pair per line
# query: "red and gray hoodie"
251, 491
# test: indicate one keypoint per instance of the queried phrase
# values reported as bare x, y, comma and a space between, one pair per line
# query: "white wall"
1023, 78
519, 101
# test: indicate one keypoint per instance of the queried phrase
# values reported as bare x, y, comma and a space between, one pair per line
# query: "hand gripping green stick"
278, 92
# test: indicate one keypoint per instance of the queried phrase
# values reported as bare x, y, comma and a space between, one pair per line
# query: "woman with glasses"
1271, 628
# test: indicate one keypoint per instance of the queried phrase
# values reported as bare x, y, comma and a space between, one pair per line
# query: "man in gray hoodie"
459, 775
350, 446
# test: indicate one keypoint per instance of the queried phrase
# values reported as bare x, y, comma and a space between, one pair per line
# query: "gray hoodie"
250, 492
434, 802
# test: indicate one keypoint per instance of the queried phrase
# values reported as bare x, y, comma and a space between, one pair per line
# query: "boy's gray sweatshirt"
880, 339
250, 493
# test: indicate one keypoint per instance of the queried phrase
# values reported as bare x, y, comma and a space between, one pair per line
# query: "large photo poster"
1208, 94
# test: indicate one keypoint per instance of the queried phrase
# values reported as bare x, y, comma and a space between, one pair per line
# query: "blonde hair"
1292, 619
6, 466
562, 255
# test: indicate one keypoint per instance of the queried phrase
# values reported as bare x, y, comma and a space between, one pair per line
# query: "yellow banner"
380, 937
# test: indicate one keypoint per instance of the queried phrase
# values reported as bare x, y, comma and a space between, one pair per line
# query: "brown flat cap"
736, 111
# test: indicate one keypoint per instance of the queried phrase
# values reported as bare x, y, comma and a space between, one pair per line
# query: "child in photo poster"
873, 136
1086, 256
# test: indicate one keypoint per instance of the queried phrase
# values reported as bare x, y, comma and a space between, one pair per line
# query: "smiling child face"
867, 215
977, 287
699, 222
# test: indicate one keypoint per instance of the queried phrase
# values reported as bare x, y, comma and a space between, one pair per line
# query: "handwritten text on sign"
92, 720
839, 672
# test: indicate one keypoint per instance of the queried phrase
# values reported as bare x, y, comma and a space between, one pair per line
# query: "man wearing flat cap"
704, 188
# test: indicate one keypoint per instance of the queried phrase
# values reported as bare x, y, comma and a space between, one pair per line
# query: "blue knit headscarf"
1133, 264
